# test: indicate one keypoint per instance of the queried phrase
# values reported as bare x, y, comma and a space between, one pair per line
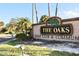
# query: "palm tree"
56, 9
11, 26
23, 24
36, 14
43, 19
49, 9
32, 13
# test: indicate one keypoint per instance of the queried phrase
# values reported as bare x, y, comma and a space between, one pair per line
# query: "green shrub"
21, 36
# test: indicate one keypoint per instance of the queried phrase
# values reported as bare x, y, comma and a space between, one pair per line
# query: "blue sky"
13, 10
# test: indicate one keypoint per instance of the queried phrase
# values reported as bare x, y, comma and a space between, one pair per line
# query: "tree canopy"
18, 25
43, 19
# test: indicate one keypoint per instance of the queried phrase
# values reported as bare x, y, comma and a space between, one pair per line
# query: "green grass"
39, 51
36, 50
8, 50
32, 50
13, 42
62, 53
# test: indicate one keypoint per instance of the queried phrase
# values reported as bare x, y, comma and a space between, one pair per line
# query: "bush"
21, 36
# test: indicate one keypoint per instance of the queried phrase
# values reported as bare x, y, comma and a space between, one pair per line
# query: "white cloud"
70, 14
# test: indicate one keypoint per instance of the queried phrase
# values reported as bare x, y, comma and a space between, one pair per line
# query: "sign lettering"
61, 29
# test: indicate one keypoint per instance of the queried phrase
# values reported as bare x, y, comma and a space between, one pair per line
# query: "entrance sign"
58, 30
54, 26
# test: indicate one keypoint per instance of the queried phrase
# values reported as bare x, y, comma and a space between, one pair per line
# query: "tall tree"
56, 9
18, 25
32, 13
36, 13
49, 9
11, 26
23, 24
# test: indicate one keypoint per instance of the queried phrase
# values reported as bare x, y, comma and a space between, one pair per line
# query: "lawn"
13, 42
9, 49
31, 50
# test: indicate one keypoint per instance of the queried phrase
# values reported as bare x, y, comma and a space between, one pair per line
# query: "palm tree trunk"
32, 13
56, 9
36, 14
49, 9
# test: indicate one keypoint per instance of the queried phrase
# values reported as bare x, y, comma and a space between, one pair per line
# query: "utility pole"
36, 13
56, 11
49, 9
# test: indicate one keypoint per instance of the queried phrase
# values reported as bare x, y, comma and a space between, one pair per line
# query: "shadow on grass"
13, 42
35, 50
62, 53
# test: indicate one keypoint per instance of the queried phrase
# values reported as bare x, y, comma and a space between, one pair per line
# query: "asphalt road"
4, 38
